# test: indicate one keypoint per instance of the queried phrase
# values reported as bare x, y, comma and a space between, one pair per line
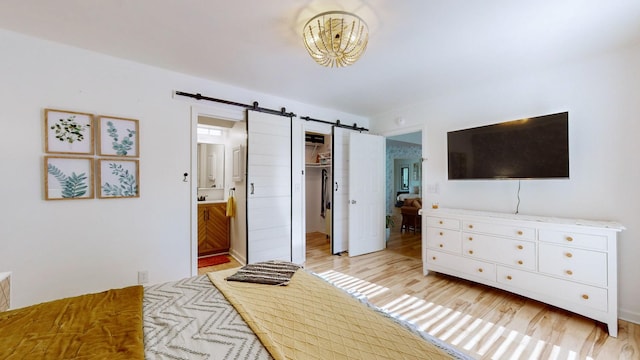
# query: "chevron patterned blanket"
190, 319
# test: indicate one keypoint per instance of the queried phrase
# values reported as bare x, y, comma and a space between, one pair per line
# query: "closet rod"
337, 123
254, 106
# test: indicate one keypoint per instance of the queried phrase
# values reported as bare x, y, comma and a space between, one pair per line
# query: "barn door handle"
252, 189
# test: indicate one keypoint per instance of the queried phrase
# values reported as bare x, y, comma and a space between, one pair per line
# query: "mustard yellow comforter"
105, 325
311, 319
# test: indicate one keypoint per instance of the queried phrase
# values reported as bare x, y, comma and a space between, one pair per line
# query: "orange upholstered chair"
411, 220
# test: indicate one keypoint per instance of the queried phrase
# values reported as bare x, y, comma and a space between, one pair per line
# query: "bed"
210, 317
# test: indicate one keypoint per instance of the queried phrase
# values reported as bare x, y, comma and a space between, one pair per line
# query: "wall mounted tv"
533, 148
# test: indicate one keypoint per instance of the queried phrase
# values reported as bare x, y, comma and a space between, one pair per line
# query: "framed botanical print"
67, 178
118, 178
118, 137
68, 132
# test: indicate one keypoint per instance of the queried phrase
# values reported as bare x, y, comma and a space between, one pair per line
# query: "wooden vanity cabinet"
213, 229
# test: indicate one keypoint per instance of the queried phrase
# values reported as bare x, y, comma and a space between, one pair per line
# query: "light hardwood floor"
484, 322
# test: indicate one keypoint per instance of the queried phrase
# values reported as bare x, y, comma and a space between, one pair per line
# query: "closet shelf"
316, 165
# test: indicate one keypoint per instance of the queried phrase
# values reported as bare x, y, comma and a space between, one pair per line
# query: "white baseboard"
241, 259
629, 316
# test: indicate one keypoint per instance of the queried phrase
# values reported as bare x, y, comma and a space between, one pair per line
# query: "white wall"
601, 95
64, 248
238, 225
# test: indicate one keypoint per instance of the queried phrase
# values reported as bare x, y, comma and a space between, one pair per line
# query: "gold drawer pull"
470, 251
569, 238
480, 270
520, 262
441, 245
569, 272
520, 247
470, 238
441, 233
440, 222
520, 232
509, 277
585, 296
568, 255
470, 226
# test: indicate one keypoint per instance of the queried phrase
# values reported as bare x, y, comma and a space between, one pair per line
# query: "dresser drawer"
516, 253
581, 265
441, 222
588, 241
579, 294
517, 232
470, 267
444, 239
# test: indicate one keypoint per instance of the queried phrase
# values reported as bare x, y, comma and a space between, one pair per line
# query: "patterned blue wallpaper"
396, 151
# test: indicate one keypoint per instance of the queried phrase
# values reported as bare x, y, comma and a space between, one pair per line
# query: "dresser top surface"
542, 219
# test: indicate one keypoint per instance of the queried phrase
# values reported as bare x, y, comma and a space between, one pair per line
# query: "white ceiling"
417, 48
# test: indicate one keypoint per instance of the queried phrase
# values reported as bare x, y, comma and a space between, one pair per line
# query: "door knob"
353, 201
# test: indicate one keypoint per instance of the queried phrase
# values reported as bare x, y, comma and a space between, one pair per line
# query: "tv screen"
532, 148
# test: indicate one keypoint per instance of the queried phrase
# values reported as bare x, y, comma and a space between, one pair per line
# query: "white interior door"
268, 187
366, 193
340, 205
298, 208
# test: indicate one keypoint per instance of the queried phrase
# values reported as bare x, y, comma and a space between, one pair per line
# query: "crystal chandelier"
336, 38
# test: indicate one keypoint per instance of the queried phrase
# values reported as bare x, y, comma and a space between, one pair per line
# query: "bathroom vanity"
213, 228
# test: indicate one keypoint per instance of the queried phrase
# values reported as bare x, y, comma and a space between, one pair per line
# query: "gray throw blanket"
273, 272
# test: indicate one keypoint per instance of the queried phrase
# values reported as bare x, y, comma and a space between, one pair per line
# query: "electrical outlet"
143, 277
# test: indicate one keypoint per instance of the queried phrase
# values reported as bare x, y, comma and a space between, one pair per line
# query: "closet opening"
318, 190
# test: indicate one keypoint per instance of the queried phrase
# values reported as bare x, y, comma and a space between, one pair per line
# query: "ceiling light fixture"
336, 38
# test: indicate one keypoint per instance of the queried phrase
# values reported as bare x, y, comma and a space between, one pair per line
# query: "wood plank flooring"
484, 322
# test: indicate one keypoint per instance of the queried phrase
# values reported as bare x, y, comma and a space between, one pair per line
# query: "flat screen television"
532, 148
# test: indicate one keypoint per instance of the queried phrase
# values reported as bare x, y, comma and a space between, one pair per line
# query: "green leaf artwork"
73, 186
68, 130
122, 147
127, 182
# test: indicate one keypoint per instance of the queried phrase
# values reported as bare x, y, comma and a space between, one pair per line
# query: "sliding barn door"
366, 193
268, 187
298, 205
340, 205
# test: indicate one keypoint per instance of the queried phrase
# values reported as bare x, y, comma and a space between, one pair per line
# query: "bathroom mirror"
210, 166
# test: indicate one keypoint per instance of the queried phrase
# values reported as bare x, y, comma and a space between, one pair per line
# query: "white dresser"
568, 263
